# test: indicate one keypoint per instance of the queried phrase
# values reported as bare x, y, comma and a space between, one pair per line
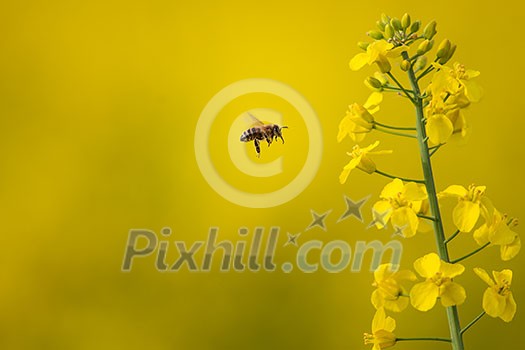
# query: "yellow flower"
389, 293
361, 160
445, 119
382, 328
377, 52
438, 283
467, 211
400, 203
496, 230
497, 299
359, 120
456, 80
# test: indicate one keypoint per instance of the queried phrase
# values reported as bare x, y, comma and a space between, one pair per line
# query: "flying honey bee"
260, 131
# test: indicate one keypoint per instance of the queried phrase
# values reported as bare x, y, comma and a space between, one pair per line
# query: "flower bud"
380, 25
374, 34
396, 24
405, 65
389, 31
405, 21
367, 165
381, 77
363, 45
415, 26
449, 55
443, 49
373, 84
424, 47
420, 63
385, 19
384, 64
430, 30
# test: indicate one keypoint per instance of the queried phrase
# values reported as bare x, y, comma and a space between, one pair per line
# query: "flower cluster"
414, 205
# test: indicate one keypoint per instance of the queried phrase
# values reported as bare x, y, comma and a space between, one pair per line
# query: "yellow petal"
452, 294
509, 251
428, 265
484, 276
510, 309
439, 128
502, 277
493, 303
379, 320
397, 305
451, 270
344, 128
481, 235
383, 271
465, 215
373, 100
406, 219
405, 275
358, 61
472, 90
392, 189
381, 211
454, 191
414, 192
423, 295
377, 300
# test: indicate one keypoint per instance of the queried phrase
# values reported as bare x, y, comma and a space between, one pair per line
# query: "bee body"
261, 131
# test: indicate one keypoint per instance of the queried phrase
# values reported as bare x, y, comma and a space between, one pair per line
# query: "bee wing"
254, 121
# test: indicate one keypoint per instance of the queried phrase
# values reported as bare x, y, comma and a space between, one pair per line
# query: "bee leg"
269, 140
282, 139
257, 148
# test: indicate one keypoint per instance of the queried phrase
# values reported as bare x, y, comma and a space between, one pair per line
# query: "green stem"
393, 88
425, 338
425, 72
452, 237
472, 322
402, 88
388, 131
452, 312
435, 149
471, 253
393, 127
398, 177
426, 217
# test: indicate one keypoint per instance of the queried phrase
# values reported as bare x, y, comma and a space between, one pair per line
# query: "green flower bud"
396, 24
420, 63
389, 31
380, 25
363, 45
385, 19
449, 55
405, 65
415, 26
405, 21
443, 49
424, 47
375, 34
373, 84
430, 30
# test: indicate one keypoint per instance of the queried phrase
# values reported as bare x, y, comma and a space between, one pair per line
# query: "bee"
260, 131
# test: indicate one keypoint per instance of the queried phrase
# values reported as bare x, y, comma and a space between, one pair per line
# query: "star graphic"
318, 220
399, 231
292, 239
379, 218
353, 208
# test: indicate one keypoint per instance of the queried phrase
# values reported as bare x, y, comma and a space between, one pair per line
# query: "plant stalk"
452, 312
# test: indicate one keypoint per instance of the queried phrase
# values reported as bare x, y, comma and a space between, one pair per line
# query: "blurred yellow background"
99, 101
